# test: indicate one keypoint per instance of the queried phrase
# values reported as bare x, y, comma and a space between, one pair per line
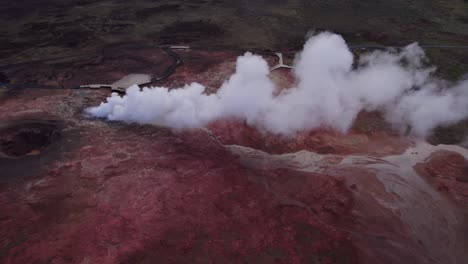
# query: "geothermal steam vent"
330, 91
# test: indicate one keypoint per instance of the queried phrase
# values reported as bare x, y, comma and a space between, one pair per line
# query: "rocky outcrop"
448, 172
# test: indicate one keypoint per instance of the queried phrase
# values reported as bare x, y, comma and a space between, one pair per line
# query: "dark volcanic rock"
189, 31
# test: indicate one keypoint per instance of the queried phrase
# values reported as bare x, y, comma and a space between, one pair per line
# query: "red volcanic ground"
74, 189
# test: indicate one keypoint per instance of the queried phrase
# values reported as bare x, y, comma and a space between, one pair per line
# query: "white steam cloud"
331, 89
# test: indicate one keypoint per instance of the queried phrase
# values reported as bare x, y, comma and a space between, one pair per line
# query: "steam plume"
331, 90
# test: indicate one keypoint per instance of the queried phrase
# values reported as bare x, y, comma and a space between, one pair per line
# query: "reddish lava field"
75, 189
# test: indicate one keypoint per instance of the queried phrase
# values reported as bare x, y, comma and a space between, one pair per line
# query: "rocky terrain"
76, 189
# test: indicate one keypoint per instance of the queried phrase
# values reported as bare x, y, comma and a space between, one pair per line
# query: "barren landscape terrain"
79, 189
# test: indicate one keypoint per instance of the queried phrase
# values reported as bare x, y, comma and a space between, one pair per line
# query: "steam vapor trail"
330, 92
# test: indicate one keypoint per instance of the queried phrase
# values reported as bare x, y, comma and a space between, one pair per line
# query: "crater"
27, 138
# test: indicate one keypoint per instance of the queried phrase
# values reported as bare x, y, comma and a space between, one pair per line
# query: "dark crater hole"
27, 138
